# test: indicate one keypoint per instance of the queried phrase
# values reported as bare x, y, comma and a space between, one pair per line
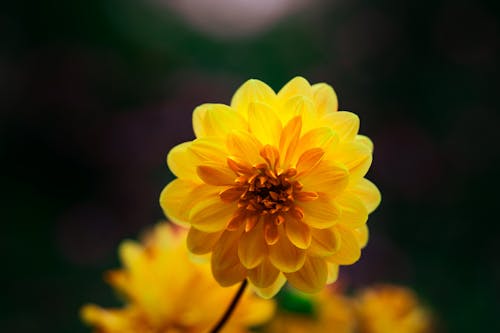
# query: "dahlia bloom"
162, 287
273, 187
390, 308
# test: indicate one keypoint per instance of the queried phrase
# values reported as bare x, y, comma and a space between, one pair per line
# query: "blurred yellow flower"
391, 309
333, 312
273, 186
166, 292
383, 309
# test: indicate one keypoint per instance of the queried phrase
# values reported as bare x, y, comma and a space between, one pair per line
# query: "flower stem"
230, 309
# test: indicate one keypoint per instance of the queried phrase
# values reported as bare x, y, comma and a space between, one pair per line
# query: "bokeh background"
93, 94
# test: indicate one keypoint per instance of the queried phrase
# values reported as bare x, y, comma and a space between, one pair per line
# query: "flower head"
389, 308
273, 186
167, 292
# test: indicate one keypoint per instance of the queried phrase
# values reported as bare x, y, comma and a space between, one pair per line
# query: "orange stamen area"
264, 192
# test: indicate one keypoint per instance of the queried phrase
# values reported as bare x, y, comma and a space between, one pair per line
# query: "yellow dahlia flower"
168, 293
273, 186
391, 309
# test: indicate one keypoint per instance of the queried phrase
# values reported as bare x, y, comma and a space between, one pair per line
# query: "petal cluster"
167, 292
273, 186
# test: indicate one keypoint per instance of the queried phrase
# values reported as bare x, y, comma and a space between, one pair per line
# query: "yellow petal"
356, 157
264, 123
252, 91
264, 275
231, 194
311, 278
308, 160
362, 235
216, 120
217, 175
367, 192
200, 242
365, 141
349, 251
333, 272
226, 266
300, 106
252, 248
346, 124
119, 280
245, 146
320, 137
211, 149
325, 242
182, 162
298, 233
211, 215
284, 255
130, 253
271, 234
271, 155
328, 177
174, 200
321, 213
108, 320
296, 86
289, 140
272, 290
353, 212
324, 98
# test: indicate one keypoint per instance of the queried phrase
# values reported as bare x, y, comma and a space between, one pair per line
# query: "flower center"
264, 191
268, 193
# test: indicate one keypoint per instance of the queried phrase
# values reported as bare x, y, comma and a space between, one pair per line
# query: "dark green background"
94, 93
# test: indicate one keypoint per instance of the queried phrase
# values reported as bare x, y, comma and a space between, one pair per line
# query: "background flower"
389, 308
165, 291
273, 186
379, 309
